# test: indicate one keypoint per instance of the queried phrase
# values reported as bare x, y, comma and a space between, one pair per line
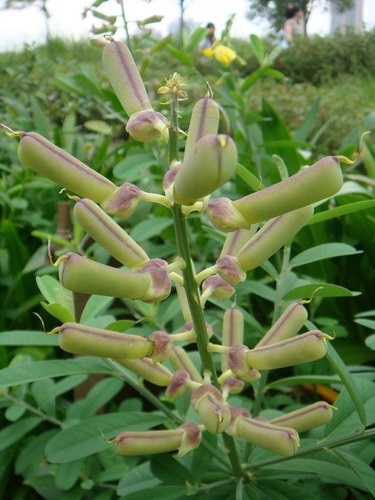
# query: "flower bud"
304, 419
273, 235
160, 284
288, 325
281, 440
189, 327
304, 348
236, 240
147, 125
238, 364
227, 267
123, 201
178, 384
204, 121
217, 288
162, 346
185, 438
231, 385
35, 152
90, 341
170, 176
317, 182
232, 333
224, 216
207, 167
145, 368
180, 360
208, 402
83, 275
124, 77
108, 234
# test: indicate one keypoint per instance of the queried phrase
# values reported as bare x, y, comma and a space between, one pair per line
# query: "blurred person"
295, 24
209, 39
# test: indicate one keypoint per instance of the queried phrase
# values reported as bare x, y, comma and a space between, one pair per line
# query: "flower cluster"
257, 225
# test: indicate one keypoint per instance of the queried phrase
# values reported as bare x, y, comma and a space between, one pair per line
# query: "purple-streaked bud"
180, 360
236, 412
237, 363
108, 234
304, 419
170, 176
189, 326
160, 283
321, 180
224, 216
178, 384
217, 288
236, 240
231, 385
90, 341
232, 333
156, 373
304, 348
271, 237
147, 125
35, 152
227, 267
185, 438
208, 402
281, 440
124, 77
123, 201
208, 166
162, 345
288, 325
204, 121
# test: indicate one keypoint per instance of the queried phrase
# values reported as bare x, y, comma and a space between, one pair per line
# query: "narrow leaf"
28, 337
318, 290
340, 211
14, 432
320, 252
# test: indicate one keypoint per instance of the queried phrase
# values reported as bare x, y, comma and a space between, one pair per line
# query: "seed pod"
273, 235
281, 440
304, 348
304, 419
185, 438
124, 77
288, 325
232, 333
204, 121
35, 152
321, 180
208, 402
209, 165
108, 234
90, 341
180, 360
155, 373
82, 275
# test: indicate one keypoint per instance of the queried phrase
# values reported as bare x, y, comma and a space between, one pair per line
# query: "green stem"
32, 409
126, 27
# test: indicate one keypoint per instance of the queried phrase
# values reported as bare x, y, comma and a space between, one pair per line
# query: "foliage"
57, 443
274, 11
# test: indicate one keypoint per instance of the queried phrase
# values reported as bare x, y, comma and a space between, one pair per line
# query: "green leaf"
133, 165
149, 228
181, 56
258, 47
58, 311
54, 292
67, 474
347, 379
303, 379
102, 392
14, 432
90, 436
195, 37
252, 78
318, 290
137, 480
365, 473
307, 125
38, 370
99, 126
28, 337
320, 252
370, 342
249, 178
94, 307
342, 210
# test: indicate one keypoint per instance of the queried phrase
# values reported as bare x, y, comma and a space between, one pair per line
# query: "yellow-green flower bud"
145, 368
224, 216
185, 438
180, 360
208, 402
288, 325
304, 348
304, 419
216, 287
35, 152
124, 77
178, 384
227, 267
147, 125
232, 333
161, 346
207, 167
90, 341
317, 182
238, 364
236, 240
271, 237
110, 235
160, 284
204, 121
123, 201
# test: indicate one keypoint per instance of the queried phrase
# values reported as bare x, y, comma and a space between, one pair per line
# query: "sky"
18, 27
